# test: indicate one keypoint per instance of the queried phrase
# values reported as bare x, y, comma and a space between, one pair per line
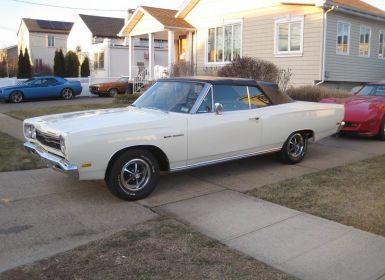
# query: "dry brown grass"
353, 195
315, 93
14, 157
159, 249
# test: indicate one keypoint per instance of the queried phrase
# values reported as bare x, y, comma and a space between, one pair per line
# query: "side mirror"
218, 107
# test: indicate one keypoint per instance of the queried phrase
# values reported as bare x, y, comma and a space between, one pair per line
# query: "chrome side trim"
55, 162
201, 164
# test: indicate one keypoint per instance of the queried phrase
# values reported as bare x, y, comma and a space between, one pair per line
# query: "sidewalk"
299, 244
11, 126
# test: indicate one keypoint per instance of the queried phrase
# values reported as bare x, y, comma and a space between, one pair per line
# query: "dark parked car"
41, 87
112, 88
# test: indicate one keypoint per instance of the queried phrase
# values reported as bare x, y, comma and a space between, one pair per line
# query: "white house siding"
352, 67
80, 36
39, 47
258, 34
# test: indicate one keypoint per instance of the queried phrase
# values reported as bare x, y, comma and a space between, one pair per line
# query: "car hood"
13, 87
101, 121
359, 108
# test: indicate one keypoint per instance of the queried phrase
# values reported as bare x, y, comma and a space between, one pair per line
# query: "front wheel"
112, 92
67, 94
382, 129
16, 97
295, 147
133, 175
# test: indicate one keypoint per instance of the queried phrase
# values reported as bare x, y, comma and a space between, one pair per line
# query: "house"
340, 43
42, 38
96, 37
10, 55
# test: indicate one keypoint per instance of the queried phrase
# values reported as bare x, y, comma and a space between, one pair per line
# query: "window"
343, 34
257, 98
364, 47
381, 53
224, 43
289, 36
99, 61
232, 98
51, 41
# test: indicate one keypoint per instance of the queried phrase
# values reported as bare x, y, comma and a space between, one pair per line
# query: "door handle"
254, 119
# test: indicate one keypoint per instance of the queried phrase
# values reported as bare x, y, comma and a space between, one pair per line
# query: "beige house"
332, 42
42, 38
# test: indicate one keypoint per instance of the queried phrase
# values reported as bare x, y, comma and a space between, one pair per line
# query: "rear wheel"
112, 92
16, 97
382, 129
133, 175
66, 94
295, 147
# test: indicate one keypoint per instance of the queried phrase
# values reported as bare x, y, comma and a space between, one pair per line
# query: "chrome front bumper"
52, 161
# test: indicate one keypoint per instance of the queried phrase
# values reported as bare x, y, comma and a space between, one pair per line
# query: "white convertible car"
178, 124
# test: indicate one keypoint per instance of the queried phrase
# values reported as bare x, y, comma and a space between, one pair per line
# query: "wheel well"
12, 92
309, 133
160, 156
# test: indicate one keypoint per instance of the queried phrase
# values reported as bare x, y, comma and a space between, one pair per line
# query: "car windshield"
123, 80
370, 90
171, 96
29, 81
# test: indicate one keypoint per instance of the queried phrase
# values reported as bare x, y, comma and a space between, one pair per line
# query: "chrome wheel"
66, 93
135, 174
296, 145
16, 97
112, 92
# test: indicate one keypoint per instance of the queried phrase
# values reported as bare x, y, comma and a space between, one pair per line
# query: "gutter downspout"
324, 44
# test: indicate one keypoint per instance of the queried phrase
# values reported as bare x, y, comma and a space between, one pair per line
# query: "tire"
295, 148
382, 129
133, 175
16, 97
66, 94
112, 92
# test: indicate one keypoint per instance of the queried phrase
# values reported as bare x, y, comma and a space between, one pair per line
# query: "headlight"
29, 131
62, 145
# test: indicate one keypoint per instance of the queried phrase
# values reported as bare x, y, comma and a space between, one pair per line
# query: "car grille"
48, 140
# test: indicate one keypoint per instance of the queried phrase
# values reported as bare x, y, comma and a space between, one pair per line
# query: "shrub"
315, 93
71, 64
181, 69
27, 64
85, 68
59, 64
41, 70
126, 98
3, 68
20, 66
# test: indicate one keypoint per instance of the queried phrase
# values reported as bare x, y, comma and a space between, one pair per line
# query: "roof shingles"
358, 5
107, 27
167, 17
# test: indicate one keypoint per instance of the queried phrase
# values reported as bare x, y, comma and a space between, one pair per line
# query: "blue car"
41, 87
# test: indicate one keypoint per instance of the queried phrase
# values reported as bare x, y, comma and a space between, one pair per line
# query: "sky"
11, 11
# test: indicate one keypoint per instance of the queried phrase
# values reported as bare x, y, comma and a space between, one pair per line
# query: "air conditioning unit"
146, 55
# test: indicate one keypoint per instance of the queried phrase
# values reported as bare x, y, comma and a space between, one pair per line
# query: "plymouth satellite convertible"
178, 124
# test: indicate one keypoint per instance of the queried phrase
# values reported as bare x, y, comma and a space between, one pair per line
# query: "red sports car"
364, 111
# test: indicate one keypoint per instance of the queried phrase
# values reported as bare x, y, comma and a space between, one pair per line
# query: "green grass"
30, 113
14, 157
353, 195
159, 249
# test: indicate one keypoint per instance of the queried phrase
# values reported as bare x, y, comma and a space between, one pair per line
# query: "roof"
357, 5
107, 27
167, 17
48, 26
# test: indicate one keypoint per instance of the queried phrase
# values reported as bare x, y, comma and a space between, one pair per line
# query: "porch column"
151, 56
130, 56
171, 49
189, 50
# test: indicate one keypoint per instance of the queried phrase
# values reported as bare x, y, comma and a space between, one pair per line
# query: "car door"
54, 87
234, 132
37, 89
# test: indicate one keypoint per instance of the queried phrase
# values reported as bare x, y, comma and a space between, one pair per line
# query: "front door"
182, 48
234, 132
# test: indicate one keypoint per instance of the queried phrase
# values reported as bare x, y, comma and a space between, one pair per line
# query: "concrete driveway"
43, 212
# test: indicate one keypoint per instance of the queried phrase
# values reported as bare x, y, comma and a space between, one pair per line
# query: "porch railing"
140, 80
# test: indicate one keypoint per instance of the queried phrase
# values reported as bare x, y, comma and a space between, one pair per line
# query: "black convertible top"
270, 89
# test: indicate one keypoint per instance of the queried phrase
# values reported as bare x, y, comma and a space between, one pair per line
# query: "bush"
257, 69
41, 70
181, 69
85, 68
315, 93
126, 98
27, 64
72, 64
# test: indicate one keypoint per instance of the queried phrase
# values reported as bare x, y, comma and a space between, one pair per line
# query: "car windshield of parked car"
29, 81
370, 90
123, 80
171, 96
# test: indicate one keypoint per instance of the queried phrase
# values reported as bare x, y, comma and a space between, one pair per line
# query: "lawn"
159, 249
14, 157
29, 113
353, 195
